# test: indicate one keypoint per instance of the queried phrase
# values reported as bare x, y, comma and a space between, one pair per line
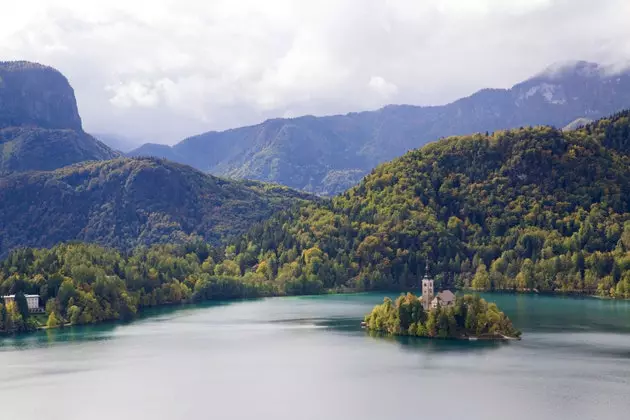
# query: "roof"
446, 296
13, 296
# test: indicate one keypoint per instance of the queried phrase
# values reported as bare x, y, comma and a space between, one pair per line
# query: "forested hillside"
327, 155
83, 284
129, 202
534, 208
33, 148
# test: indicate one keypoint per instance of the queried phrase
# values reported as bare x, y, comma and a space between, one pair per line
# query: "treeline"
84, 284
15, 316
471, 316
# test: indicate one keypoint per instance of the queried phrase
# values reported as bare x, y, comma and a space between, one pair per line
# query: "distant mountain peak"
40, 126
35, 95
576, 67
582, 69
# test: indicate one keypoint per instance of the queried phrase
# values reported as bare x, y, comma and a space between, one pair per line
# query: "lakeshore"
491, 296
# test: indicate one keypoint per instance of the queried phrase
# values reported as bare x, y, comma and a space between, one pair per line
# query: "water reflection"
50, 337
415, 344
532, 314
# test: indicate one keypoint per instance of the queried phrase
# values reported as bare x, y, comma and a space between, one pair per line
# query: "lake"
307, 358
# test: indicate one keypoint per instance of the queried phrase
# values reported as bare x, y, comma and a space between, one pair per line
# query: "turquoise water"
307, 358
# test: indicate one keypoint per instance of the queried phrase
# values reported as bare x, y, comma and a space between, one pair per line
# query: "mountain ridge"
301, 152
129, 202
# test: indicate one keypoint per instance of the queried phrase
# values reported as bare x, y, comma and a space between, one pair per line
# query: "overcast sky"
162, 70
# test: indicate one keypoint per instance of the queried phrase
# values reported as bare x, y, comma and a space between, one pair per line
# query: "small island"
470, 317
442, 316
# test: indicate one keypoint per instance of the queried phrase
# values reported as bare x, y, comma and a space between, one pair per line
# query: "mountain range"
534, 208
528, 208
326, 155
531, 209
40, 126
58, 183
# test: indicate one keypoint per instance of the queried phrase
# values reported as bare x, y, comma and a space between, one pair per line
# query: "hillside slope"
326, 155
129, 202
533, 208
40, 126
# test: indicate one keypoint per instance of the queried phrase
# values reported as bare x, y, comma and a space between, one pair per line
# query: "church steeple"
427, 288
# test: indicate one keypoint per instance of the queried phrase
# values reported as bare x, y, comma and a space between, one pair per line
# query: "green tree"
22, 305
53, 321
481, 281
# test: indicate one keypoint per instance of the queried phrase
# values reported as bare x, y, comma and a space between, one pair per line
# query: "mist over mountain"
118, 142
326, 155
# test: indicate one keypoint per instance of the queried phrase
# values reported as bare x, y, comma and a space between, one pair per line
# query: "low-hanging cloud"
161, 70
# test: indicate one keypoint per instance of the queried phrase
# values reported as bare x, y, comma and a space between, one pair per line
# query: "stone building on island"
429, 299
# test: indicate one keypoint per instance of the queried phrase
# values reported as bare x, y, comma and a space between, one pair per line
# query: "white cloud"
487, 7
164, 69
135, 93
381, 86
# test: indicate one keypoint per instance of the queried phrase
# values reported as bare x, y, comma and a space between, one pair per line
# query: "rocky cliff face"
34, 95
40, 126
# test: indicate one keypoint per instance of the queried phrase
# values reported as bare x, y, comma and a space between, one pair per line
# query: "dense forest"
471, 316
126, 203
33, 148
527, 209
84, 284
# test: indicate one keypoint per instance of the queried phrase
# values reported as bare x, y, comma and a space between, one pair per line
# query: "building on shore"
429, 299
31, 300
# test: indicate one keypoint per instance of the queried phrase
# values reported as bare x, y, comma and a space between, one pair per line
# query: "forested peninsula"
518, 210
471, 317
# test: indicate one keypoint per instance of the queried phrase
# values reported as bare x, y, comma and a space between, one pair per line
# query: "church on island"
429, 299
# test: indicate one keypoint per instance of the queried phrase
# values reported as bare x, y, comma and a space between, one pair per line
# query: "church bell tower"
427, 289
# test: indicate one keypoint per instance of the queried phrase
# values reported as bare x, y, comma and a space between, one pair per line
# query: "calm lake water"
306, 358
